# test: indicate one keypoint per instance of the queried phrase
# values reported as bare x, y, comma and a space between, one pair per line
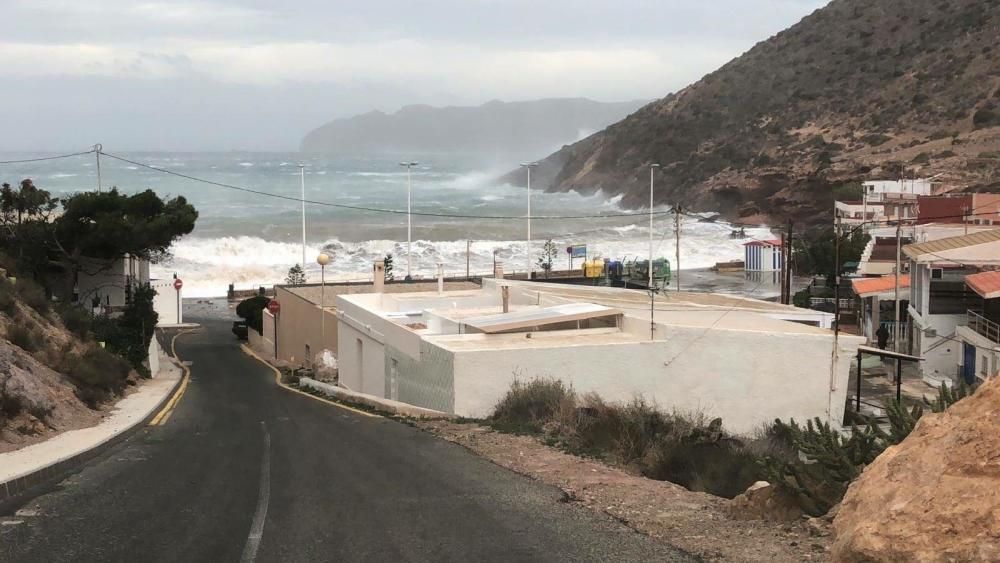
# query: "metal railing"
984, 326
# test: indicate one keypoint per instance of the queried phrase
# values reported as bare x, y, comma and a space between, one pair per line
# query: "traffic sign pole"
178, 284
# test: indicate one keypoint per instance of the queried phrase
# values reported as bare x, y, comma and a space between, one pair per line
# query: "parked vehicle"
240, 329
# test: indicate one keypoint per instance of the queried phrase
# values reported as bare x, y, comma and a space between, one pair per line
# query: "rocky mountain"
518, 129
859, 89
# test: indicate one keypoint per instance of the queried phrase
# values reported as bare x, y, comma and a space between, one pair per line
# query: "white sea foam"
209, 265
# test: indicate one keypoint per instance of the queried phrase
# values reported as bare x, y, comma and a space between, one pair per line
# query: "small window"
937, 273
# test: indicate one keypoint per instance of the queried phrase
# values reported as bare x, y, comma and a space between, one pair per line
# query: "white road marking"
263, 497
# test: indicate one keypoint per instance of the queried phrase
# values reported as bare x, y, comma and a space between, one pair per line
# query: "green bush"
77, 320
252, 310
528, 406
24, 337
129, 335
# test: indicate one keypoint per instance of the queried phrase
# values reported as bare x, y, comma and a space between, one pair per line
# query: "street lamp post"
652, 168
302, 178
409, 222
529, 166
323, 259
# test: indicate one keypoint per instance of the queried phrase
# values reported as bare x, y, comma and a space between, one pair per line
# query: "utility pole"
409, 218
677, 238
896, 332
652, 168
789, 259
468, 251
781, 275
97, 153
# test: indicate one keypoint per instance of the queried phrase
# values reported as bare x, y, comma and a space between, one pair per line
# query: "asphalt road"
244, 470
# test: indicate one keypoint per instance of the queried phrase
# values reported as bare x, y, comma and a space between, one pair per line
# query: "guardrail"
984, 326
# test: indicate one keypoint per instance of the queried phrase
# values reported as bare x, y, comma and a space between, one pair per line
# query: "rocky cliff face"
935, 496
859, 89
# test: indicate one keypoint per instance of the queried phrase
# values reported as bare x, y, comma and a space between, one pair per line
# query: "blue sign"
580, 251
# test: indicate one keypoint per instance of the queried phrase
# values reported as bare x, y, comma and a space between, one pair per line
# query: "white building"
762, 256
979, 358
744, 360
108, 283
854, 213
876, 190
941, 300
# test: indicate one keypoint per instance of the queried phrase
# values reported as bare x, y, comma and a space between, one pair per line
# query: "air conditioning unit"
930, 332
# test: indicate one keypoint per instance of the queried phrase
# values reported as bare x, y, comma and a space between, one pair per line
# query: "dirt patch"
695, 522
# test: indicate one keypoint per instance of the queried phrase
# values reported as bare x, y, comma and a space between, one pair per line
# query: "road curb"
18, 486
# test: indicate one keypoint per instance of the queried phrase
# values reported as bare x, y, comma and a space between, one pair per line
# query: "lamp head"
323, 259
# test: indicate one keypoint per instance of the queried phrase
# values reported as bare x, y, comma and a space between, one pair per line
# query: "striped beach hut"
763, 255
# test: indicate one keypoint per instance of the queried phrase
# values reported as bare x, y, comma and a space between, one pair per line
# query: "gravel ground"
694, 522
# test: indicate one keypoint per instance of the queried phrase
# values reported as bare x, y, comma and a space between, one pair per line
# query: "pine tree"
389, 276
296, 276
549, 252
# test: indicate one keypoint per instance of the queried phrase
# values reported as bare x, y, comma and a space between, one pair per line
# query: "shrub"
24, 337
528, 406
8, 303
77, 320
97, 373
252, 310
33, 295
985, 118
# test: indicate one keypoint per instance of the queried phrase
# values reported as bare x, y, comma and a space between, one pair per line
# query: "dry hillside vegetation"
51, 380
859, 89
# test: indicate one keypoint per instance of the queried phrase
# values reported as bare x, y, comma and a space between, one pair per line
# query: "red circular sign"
178, 284
274, 307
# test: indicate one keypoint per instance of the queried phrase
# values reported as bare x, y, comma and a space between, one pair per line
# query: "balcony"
984, 327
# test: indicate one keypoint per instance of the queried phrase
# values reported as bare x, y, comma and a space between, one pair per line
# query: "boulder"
762, 501
933, 497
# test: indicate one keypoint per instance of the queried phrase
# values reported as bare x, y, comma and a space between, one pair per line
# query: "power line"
374, 209
42, 158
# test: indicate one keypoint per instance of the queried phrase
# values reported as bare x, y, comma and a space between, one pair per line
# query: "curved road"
243, 470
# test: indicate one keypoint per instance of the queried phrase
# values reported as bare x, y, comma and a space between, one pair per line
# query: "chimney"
440, 278
379, 276
505, 297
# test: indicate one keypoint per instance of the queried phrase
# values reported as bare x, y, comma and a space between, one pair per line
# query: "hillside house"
878, 307
979, 358
941, 298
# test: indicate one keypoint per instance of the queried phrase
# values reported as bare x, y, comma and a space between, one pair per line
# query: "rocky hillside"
518, 129
51, 378
935, 496
859, 89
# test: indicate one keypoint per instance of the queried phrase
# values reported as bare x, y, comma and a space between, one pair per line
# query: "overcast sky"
257, 75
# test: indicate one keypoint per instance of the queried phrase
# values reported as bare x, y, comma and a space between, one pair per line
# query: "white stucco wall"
165, 302
940, 352
747, 378
364, 373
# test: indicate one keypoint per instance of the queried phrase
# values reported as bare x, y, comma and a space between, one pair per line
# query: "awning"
883, 287
986, 284
530, 318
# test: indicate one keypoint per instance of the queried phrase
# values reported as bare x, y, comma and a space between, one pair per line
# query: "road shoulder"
40, 463
694, 522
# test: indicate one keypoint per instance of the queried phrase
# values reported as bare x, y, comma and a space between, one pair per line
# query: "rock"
762, 501
935, 496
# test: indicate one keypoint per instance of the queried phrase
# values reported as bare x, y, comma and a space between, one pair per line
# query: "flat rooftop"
312, 292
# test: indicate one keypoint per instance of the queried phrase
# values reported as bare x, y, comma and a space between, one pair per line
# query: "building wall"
299, 325
939, 352
425, 381
986, 209
165, 302
692, 371
987, 352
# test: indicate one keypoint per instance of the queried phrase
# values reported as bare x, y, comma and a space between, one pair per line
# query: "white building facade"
458, 352
763, 256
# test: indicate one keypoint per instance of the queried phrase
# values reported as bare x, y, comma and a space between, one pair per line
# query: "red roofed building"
980, 355
763, 255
